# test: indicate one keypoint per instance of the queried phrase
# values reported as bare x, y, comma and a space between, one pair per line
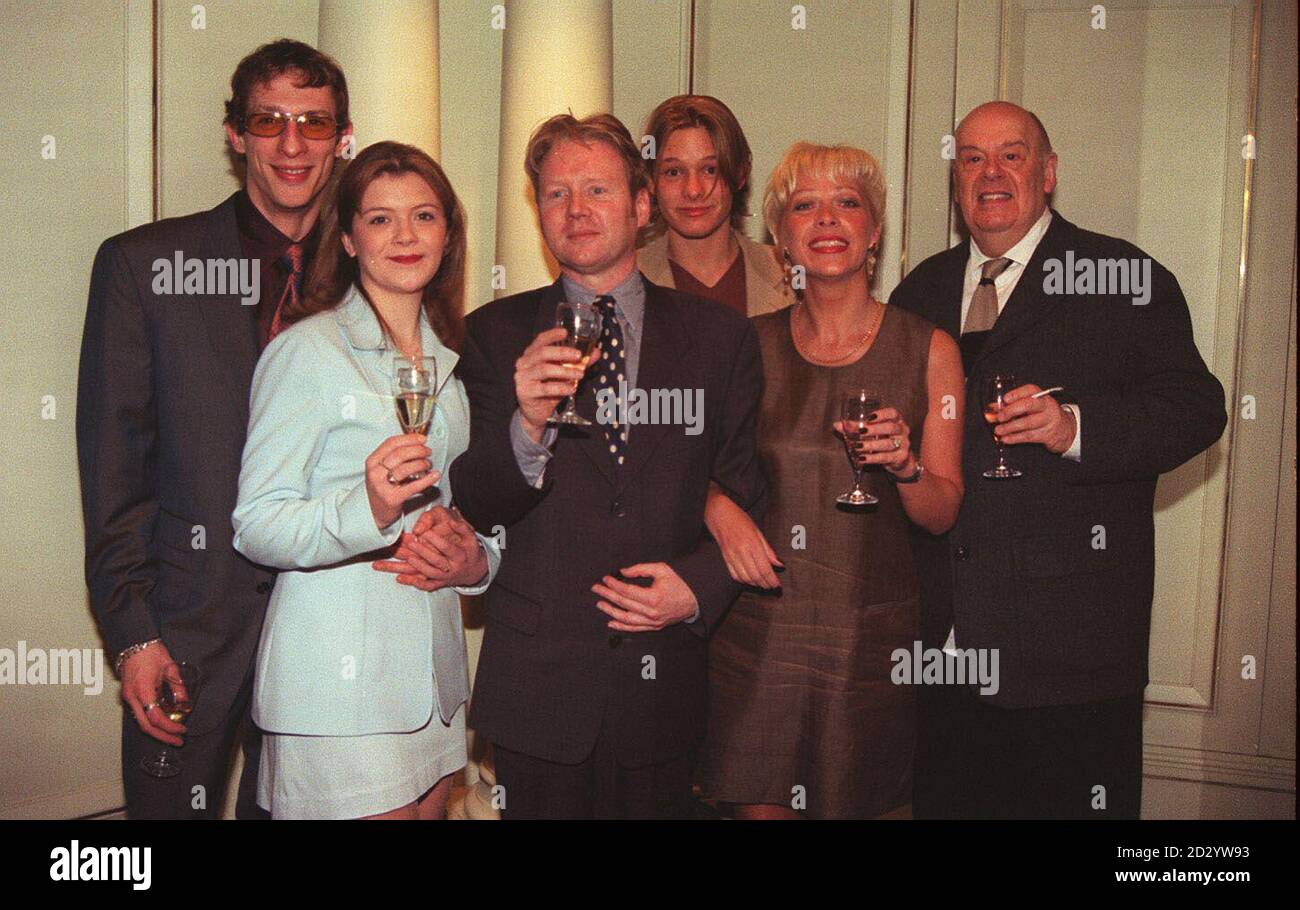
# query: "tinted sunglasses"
272, 123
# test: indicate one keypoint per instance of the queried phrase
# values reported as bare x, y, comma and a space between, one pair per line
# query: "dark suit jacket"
550, 670
1026, 576
162, 409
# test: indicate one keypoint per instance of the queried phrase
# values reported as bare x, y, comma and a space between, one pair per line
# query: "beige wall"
1167, 179
58, 751
194, 67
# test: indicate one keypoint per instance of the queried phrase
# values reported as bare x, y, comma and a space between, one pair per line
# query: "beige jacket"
765, 287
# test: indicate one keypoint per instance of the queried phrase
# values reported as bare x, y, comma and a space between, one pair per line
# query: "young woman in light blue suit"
361, 682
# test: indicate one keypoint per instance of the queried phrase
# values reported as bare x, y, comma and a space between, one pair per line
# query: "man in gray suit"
178, 312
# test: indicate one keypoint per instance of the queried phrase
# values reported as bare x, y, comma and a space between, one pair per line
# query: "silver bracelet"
129, 651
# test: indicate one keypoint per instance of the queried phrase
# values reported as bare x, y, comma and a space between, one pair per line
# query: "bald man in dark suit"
1055, 568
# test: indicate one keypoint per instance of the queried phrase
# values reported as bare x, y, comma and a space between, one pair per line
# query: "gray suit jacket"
162, 408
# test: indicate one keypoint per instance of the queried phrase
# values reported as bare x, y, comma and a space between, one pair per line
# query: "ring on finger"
898, 443
392, 479
149, 707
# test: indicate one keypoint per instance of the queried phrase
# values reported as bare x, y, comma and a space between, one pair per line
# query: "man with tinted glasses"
178, 313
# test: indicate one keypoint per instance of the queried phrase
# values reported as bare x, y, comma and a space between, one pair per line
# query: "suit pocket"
1059, 555
512, 609
180, 564
1076, 606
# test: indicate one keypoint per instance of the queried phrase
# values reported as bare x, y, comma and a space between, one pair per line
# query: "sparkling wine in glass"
856, 409
995, 387
415, 392
176, 694
581, 322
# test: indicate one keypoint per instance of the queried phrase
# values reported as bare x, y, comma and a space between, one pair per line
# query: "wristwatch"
911, 478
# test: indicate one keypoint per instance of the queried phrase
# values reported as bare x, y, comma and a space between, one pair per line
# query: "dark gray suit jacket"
550, 671
162, 410
1021, 571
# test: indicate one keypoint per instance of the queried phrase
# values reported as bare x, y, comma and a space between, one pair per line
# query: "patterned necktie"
291, 260
611, 373
983, 310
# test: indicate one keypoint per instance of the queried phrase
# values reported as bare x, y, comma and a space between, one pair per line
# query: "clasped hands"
667, 600
440, 551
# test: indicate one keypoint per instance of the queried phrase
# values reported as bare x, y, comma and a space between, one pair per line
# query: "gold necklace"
808, 347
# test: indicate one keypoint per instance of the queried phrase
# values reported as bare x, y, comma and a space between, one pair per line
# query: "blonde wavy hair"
842, 164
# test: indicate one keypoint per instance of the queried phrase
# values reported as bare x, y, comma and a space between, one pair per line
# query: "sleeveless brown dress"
801, 702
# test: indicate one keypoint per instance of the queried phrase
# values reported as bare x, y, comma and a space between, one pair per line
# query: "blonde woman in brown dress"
804, 719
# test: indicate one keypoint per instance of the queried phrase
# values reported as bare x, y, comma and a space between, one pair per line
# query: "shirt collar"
629, 297
362, 330
264, 236
1021, 253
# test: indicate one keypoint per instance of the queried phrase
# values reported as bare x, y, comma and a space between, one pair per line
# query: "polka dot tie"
610, 373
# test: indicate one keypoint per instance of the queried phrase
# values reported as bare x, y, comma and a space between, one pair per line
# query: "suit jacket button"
263, 587
616, 507
962, 553
615, 640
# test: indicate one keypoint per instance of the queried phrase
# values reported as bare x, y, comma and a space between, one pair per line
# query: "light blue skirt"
338, 777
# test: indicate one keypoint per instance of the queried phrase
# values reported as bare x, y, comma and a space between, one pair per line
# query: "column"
556, 57
389, 51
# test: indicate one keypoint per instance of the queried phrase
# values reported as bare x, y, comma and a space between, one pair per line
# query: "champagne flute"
177, 691
995, 387
415, 391
582, 323
856, 409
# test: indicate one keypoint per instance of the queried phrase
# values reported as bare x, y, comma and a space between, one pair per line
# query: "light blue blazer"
345, 649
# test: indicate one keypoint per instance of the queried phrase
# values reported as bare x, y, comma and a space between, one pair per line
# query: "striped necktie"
291, 260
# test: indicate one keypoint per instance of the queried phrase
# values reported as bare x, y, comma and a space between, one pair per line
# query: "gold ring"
898, 443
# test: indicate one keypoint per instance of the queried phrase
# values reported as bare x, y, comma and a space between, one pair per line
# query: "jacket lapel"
1029, 304
950, 290
764, 279
652, 260
231, 326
